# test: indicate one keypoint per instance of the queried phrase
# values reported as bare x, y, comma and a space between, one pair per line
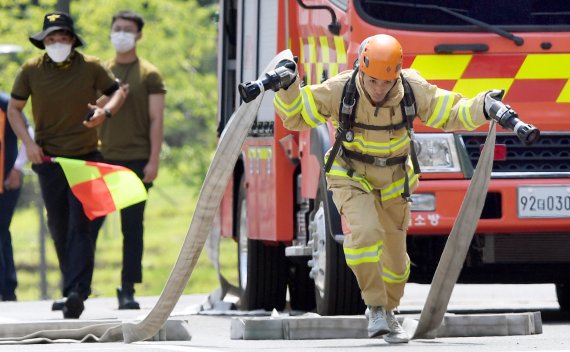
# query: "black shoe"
127, 299
11, 297
73, 306
58, 304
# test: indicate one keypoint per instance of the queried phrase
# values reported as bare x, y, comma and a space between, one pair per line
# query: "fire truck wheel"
563, 294
262, 267
336, 289
301, 287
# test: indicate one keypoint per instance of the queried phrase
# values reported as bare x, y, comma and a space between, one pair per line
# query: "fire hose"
457, 245
458, 242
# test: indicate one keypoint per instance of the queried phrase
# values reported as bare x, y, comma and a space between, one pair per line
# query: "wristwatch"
108, 113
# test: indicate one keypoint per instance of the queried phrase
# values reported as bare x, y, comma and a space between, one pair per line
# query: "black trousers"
69, 227
8, 279
132, 227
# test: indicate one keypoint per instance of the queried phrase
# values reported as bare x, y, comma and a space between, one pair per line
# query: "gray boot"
397, 334
377, 324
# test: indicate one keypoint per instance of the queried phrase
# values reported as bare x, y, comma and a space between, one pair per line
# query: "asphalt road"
211, 329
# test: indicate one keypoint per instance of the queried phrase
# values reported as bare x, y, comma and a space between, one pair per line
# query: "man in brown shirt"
133, 139
62, 84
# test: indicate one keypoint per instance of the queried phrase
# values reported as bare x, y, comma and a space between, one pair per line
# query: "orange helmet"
380, 57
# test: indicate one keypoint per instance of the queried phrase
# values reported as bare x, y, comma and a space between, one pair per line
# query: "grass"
167, 217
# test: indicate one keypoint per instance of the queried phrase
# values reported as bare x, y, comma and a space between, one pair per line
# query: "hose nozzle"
507, 118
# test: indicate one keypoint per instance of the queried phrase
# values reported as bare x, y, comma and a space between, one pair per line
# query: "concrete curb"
312, 326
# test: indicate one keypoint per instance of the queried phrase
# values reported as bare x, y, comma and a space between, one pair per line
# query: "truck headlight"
437, 152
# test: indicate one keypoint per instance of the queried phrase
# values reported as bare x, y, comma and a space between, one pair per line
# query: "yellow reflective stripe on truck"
464, 69
329, 55
545, 66
449, 67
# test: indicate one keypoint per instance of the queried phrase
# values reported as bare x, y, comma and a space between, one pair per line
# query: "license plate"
543, 201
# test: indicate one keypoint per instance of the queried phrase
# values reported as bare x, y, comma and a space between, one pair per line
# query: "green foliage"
179, 38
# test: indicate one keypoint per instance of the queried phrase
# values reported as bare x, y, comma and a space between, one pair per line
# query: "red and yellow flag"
102, 188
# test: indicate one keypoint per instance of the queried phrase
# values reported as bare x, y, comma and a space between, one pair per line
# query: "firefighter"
374, 172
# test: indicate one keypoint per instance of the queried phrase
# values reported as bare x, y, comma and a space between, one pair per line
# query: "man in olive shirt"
63, 83
133, 139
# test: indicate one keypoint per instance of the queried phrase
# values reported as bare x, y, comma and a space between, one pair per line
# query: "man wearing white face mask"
133, 139
64, 85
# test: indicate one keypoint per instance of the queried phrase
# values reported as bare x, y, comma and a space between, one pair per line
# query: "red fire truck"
277, 208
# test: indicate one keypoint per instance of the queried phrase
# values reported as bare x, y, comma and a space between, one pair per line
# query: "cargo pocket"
406, 216
340, 196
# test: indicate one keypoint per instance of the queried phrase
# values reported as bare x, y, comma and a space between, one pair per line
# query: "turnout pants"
376, 248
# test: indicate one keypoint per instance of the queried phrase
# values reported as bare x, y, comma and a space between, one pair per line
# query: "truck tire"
301, 287
336, 289
563, 294
262, 268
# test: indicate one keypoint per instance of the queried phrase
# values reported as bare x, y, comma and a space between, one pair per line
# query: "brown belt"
374, 160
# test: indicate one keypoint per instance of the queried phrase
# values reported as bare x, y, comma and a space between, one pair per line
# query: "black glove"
490, 98
292, 67
290, 64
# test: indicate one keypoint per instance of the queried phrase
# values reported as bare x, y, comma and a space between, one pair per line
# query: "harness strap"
381, 128
406, 194
347, 104
409, 111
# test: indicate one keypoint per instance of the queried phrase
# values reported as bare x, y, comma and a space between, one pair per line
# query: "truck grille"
527, 248
551, 153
